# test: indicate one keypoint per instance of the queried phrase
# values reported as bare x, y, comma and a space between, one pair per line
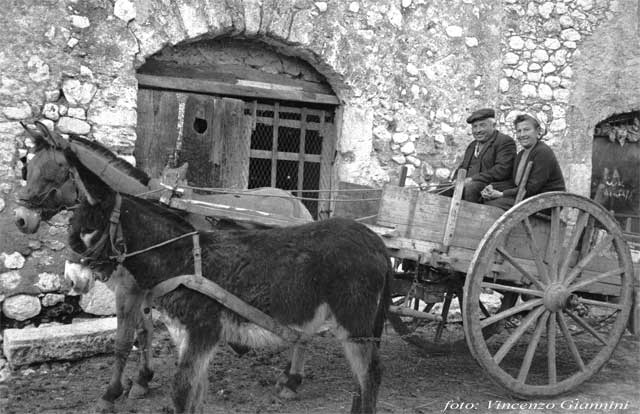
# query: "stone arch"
286, 27
606, 84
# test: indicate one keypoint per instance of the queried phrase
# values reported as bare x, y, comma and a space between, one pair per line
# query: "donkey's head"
50, 183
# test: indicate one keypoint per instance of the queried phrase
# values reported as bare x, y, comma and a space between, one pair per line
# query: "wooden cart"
544, 290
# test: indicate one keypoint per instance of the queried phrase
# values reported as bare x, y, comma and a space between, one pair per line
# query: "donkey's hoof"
137, 391
104, 406
281, 381
286, 393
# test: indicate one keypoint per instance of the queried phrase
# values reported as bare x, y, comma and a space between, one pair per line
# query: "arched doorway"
242, 114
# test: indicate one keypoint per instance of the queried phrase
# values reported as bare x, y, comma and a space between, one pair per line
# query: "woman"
545, 173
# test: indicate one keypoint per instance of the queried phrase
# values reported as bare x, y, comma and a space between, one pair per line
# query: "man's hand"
468, 180
489, 193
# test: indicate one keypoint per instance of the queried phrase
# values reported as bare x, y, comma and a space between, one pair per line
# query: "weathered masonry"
311, 95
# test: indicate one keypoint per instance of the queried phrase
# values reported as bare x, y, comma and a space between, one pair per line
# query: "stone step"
60, 342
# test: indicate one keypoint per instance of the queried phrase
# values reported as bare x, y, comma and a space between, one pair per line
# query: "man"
489, 158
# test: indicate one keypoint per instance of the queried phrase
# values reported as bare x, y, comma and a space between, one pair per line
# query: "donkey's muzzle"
27, 220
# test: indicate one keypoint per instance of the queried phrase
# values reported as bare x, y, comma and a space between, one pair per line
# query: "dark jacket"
545, 174
496, 158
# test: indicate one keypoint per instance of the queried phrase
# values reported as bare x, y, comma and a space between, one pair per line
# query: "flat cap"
480, 114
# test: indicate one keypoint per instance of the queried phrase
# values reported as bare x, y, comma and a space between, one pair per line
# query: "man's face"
482, 129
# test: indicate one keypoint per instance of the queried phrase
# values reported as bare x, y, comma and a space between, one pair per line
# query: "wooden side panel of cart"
413, 224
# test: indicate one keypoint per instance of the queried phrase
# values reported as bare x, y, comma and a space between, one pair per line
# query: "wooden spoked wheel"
419, 327
566, 258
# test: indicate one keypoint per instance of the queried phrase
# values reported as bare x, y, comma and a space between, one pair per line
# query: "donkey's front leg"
128, 303
144, 334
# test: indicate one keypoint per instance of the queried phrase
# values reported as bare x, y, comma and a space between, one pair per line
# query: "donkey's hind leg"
144, 334
365, 365
190, 382
291, 377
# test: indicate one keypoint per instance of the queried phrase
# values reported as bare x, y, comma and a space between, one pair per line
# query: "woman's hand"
489, 193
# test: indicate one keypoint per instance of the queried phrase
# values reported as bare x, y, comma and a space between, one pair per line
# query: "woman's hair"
534, 121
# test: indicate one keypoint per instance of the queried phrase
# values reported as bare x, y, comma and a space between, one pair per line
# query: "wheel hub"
555, 297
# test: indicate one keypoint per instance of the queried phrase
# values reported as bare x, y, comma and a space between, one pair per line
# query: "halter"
37, 202
114, 239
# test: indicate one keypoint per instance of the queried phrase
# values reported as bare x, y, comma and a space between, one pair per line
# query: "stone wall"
407, 72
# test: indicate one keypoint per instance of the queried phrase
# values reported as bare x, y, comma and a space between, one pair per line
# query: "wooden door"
156, 130
216, 136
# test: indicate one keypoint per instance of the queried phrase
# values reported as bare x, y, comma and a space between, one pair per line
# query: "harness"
115, 240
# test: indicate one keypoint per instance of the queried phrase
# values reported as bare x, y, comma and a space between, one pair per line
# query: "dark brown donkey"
334, 271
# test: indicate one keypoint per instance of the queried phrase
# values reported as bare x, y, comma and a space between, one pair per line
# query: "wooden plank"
327, 156
420, 215
349, 204
199, 132
419, 251
234, 168
301, 151
522, 188
217, 140
224, 88
320, 113
454, 208
290, 123
156, 130
274, 144
231, 74
289, 156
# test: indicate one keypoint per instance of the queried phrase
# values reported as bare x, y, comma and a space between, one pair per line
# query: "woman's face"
527, 134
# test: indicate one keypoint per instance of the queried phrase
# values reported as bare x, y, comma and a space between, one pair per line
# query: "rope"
157, 190
243, 192
155, 246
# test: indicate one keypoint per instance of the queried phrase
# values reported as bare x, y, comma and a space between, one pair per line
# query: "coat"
496, 158
545, 174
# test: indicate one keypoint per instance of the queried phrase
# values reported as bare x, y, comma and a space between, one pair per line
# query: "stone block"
61, 342
100, 300
69, 125
21, 307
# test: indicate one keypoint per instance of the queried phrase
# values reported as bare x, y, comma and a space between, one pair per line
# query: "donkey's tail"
383, 305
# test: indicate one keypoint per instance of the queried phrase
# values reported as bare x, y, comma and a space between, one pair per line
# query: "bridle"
62, 195
112, 238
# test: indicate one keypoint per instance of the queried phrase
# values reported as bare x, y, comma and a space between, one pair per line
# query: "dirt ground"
412, 383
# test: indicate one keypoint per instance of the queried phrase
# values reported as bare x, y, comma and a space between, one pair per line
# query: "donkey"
51, 188
334, 271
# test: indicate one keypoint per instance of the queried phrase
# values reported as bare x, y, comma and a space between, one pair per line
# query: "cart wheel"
576, 286
446, 335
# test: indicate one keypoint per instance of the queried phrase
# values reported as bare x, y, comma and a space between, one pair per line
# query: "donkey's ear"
52, 138
38, 137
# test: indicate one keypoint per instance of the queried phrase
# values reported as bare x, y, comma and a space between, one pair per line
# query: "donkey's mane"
112, 158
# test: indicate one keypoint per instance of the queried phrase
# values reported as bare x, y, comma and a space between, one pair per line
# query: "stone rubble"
21, 307
100, 300
13, 261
